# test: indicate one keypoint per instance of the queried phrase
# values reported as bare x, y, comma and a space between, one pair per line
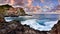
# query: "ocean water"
42, 22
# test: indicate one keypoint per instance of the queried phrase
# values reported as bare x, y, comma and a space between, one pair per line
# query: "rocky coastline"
15, 27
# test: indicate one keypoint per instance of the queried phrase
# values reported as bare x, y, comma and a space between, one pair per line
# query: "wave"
40, 25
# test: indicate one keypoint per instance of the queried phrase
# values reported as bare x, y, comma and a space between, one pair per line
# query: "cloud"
59, 2
42, 1
29, 2
2, 1
12, 2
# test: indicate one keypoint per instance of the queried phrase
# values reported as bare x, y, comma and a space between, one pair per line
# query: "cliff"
11, 11
56, 28
15, 27
3, 9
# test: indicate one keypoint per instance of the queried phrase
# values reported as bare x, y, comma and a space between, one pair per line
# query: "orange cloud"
29, 2
42, 1
12, 2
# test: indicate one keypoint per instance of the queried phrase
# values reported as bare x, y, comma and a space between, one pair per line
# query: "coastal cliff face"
15, 27
4, 8
9, 10
56, 28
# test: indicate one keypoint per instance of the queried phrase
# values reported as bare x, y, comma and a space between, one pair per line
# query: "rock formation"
3, 9
11, 11
56, 28
17, 28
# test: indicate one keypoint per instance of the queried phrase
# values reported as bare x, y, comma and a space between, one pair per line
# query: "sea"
41, 22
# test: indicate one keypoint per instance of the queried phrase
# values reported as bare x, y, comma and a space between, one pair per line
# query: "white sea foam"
35, 25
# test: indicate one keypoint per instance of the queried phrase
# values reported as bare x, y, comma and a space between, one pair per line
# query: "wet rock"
17, 28
56, 28
2, 18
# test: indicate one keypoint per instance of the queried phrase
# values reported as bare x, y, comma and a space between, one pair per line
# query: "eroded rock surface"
15, 27
56, 28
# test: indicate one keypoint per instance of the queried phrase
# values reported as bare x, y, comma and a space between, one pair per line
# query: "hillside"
4, 8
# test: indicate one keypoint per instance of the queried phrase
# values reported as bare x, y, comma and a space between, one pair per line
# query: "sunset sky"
43, 4
33, 2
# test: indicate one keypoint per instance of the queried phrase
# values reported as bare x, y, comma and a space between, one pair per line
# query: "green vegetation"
22, 12
4, 8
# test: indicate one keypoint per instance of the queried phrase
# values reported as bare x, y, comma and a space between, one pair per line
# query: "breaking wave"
42, 25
